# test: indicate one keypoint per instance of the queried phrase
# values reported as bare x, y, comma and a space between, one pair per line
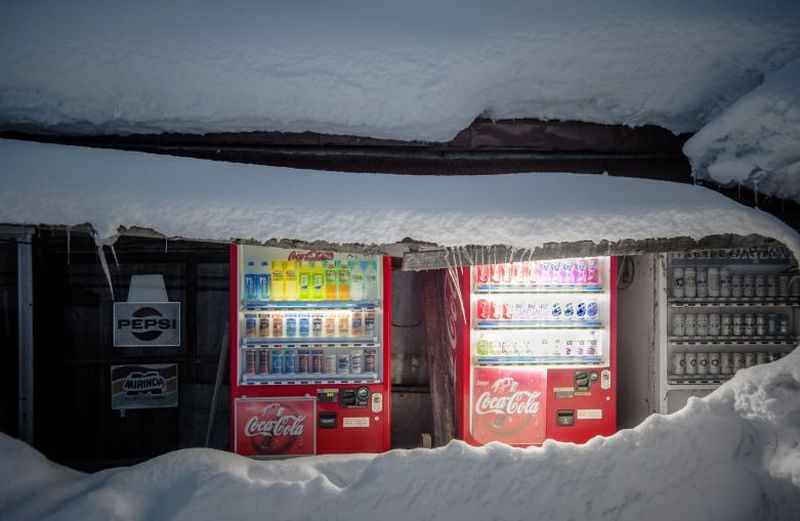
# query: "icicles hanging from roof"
102, 256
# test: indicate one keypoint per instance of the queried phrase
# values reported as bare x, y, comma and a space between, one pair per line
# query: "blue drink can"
303, 325
289, 361
291, 325
276, 361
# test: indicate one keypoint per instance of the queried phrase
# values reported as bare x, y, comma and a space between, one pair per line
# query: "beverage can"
330, 325
713, 363
702, 283
277, 325
518, 276
356, 361
250, 324
714, 324
724, 282
569, 310
761, 358
302, 360
702, 324
737, 286
555, 272
760, 286
369, 360
737, 323
761, 324
702, 363
749, 359
343, 324
690, 282
772, 286
691, 364
738, 361
317, 357
783, 285
678, 364
495, 275
713, 282
748, 286
580, 311
317, 321
725, 324
593, 271
592, 311
507, 311
772, 324
291, 324
678, 324
783, 325
690, 324
249, 362
275, 361
343, 363
303, 326
482, 274
771, 357
677, 282
330, 364
263, 362
495, 310
483, 309
749, 324
264, 327
289, 361
357, 324
369, 323
505, 273
725, 363
555, 311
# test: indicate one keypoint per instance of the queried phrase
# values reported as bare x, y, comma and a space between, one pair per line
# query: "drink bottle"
251, 281
356, 280
264, 279
371, 281
291, 280
277, 281
304, 281
330, 280
343, 280
317, 281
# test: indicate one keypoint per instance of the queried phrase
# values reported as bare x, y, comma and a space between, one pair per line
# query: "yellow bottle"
277, 289
305, 281
317, 281
343, 280
291, 281
330, 280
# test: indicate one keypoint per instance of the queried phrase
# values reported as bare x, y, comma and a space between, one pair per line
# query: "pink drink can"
581, 271
483, 274
592, 272
483, 309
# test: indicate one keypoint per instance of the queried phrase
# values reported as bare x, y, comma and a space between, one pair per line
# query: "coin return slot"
565, 418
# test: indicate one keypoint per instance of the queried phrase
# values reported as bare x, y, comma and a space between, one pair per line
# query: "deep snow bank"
730, 456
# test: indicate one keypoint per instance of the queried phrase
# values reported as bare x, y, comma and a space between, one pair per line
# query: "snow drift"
731, 456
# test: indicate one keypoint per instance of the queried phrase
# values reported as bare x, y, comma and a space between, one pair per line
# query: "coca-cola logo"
275, 429
504, 398
311, 256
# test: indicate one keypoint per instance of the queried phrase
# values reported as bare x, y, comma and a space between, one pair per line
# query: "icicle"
102, 256
454, 281
69, 245
755, 192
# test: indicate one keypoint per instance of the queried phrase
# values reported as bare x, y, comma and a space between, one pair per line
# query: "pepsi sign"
139, 324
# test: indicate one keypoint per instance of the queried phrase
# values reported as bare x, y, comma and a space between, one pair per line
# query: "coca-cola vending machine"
309, 352
535, 351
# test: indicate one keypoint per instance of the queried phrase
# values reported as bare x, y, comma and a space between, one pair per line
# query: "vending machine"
310, 355
535, 355
721, 311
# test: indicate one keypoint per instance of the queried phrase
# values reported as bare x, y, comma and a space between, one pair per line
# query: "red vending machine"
309, 352
536, 357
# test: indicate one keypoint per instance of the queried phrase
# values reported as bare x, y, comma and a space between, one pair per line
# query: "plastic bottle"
317, 281
356, 280
251, 281
305, 281
343, 280
277, 281
264, 281
371, 281
330, 280
291, 282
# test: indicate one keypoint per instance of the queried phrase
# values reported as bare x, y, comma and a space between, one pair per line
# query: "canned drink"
357, 324
303, 325
713, 282
783, 286
495, 310
749, 324
702, 324
263, 362
760, 286
518, 273
369, 323
736, 328
343, 363
713, 363
738, 361
483, 309
592, 310
250, 362
702, 283
725, 325
691, 364
369, 360
580, 311
276, 361
264, 327
330, 325
531, 273
555, 311
277, 325
714, 324
794, 286
702, 363
317, 357
690, 324
749, 359
772, 324
678, 364
761, 358
482, 274
748, 286
737, 286
291, 324
772, 286
250, 325
567, 266
592, 348
289, 361
783, 325
725, 363
569, 311
356, 361
677, 282
724, 282
330, 364
593, 271
507, 311
495, 275
343, 324
505, 273
302, 360
690, 282
555, 272
317, 325
678, 324
761, 325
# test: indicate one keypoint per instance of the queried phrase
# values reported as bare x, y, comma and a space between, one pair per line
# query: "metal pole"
25, 336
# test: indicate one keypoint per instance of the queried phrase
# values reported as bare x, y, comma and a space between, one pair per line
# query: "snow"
730, 456
415, 70
755, 142
191, 198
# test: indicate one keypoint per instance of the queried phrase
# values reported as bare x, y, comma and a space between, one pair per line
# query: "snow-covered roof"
413, 70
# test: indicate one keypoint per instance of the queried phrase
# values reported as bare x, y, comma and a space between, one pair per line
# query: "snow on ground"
62, 185
732, 456
756, 141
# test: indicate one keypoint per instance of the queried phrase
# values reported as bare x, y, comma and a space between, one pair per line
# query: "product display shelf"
723, 302
315, 342
303, 305
538, 324
537, 360
493, 289
310, 379
732, 341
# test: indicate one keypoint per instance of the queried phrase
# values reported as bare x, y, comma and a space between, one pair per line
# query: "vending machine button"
605, 379
327, 420
377, 402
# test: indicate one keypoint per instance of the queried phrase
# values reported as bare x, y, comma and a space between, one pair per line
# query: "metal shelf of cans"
489, 289
487, 325
732, 341
722, 302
